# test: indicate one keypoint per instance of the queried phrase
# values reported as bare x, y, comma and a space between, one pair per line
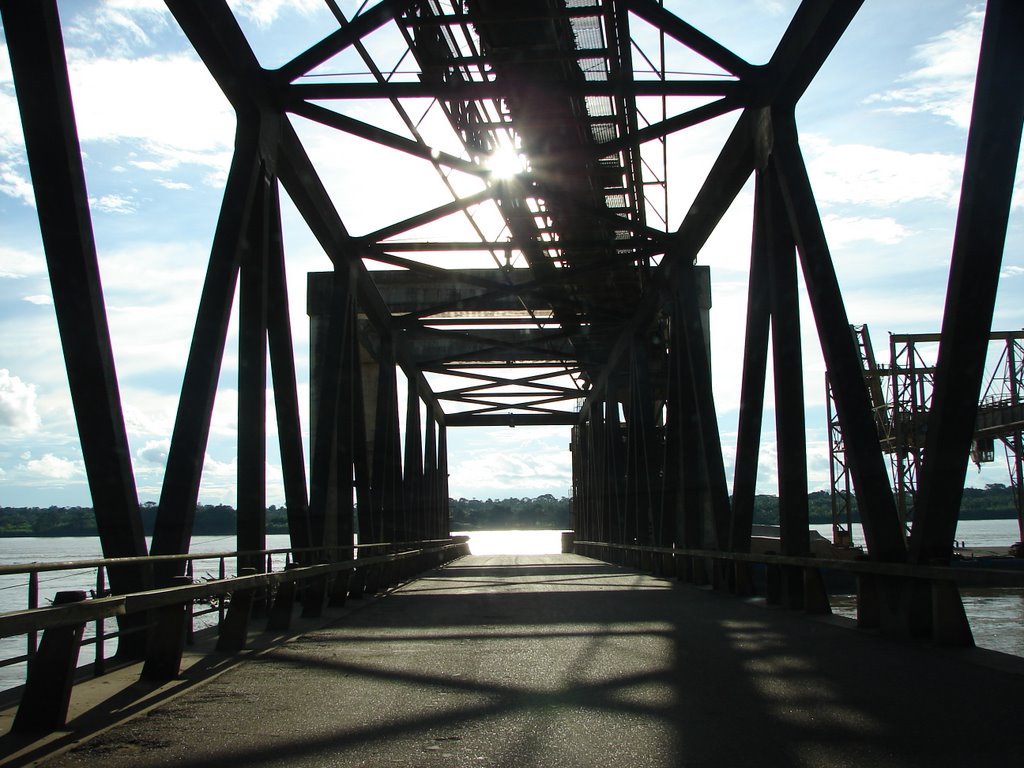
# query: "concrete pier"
564, 661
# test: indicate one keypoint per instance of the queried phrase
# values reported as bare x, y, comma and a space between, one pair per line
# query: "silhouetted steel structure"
608, 312
901, 400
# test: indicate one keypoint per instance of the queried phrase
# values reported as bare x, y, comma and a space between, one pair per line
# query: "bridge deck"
561, 660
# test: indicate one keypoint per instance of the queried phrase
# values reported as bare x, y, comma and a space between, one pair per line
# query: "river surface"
996, 615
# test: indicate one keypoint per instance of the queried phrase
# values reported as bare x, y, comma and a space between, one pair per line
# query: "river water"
996, 615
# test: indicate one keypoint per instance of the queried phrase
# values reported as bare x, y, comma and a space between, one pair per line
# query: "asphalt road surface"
563, 661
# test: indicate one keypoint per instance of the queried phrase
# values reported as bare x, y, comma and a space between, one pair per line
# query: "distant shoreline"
546, 512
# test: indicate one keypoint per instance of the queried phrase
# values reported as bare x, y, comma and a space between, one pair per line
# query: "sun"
505, 162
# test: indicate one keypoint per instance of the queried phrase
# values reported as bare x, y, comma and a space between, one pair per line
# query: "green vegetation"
543, 513
994, 502
211, 520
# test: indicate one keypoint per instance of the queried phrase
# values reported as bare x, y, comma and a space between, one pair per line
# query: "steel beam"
993, 146
36, 49
487, 91
328, 356
385, 138
251, 490
787, 363
386, 472
692, 38
180, 491
413, 467
512, 419
698, 369
882, 529
366, 23
755, 369
442, 474
286, 398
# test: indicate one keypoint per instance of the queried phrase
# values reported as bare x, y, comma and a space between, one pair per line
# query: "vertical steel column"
578, 492
442, 473
687, 461
360, 446
993, 145
430, 494
787, 364
386, 480
1015, 442
596, 473
413, 485
372, 530
615, 464
790, 428
671, 485
328, 362
853, 406
640, 497
698, 376
36, 49
755, 369
180, 490
349, 421
251, 523
282, 368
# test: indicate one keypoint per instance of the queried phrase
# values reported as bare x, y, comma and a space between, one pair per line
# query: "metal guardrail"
170, 609
967, 576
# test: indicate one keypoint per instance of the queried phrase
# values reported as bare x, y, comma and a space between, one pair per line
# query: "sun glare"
505, 162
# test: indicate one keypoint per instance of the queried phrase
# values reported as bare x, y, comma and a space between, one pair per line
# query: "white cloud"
120, 26
42, 299
17, 403
16, 263
868, 175
168, 184
1011, 271
943, 82
265, 12
844, 230
167, 107
112, 204
529, 468
13, 168
54, 467
154, 452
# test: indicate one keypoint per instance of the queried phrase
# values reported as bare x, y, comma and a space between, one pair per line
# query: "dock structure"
592, 311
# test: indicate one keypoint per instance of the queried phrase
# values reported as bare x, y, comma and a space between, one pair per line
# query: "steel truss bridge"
594, 313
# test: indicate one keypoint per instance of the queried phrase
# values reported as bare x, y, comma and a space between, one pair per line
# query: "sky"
883, 131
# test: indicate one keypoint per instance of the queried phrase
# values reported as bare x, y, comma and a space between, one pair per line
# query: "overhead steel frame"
550, 220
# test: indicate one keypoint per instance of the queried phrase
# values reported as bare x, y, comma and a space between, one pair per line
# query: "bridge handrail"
14, 569
975, 576
35, 619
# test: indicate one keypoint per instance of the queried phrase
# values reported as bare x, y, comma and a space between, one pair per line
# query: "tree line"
994, 502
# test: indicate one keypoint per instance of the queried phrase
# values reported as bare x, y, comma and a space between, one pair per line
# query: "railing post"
313, 597
868, 608
339, 591
190, 630
815, 595
950, 626
280, 615
234, 629
33, 602
51, 673
99, 665
744, 579
357, 583
167, 637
